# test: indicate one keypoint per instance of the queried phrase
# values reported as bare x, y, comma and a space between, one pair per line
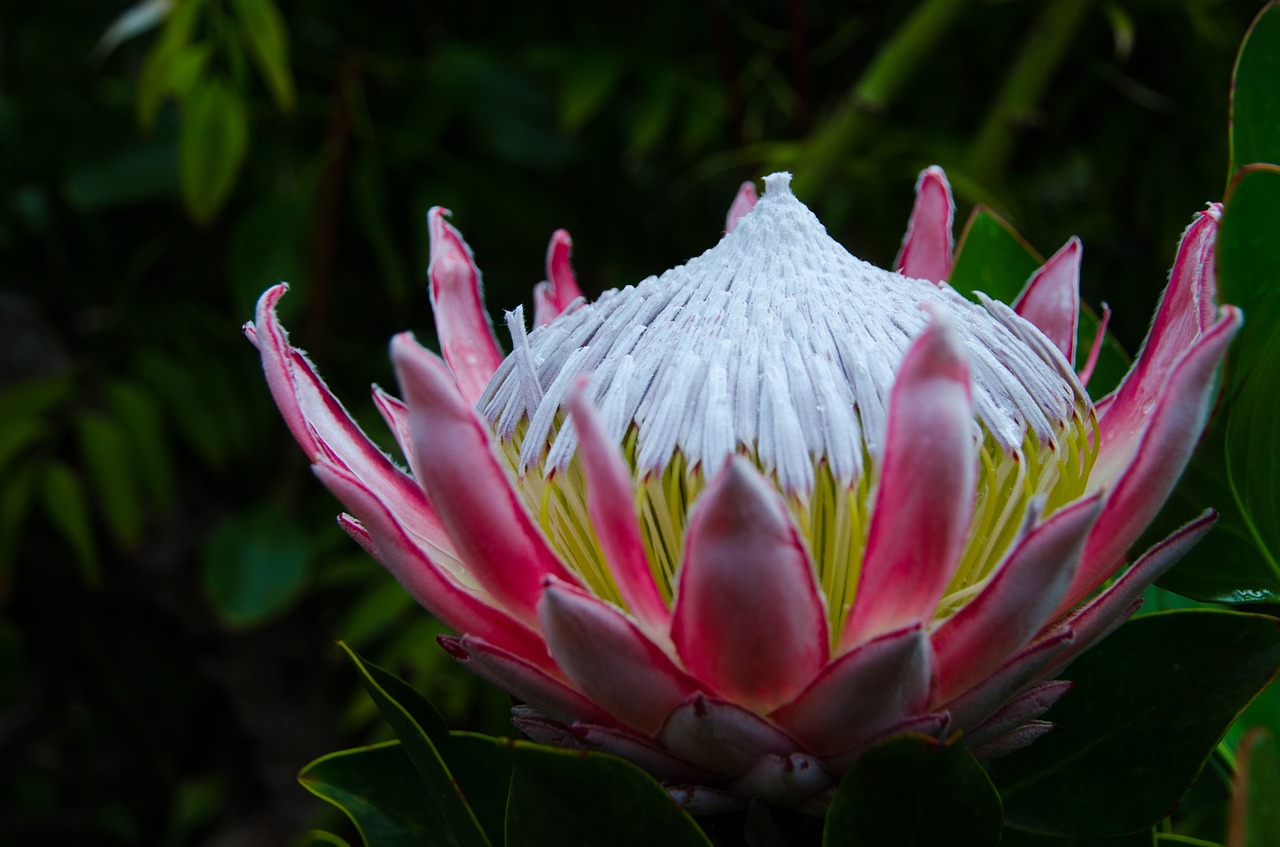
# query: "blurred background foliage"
171, 577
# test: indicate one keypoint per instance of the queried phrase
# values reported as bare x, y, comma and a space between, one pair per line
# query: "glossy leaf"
421, 731
255, 564
110, 463
268, 40
67, 508
1148, 707
992, 258
1227, 567
319, 836
1263, 711
1253, 460
212, 144
1255, 93
1248, 255
561, 797
1018, 838
377, 788
914, 790
1255, 807
1247, 251
482, 765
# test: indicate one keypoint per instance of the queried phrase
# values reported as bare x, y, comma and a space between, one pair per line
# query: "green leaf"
421, 730
212, 144
377, 788
1255, 93
1247, 251
67, 508
374, 611
16, 489
992, 258
173, 60
139, 415
110, 463
319, 836
1263, 711
197, 802
187, 401
586, 86
653, 111
482, 765
1253, 457
17, 436
34, 398
1227, 567
914, 790
255, 564
1149, 705
268, 40
1255, 809
561, 797
1019, 838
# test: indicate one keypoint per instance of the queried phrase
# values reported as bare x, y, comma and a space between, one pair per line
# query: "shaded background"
171, 578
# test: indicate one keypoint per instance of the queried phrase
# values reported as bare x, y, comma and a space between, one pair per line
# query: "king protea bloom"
743, 519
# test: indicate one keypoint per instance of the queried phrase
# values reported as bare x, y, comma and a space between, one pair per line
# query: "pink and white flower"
743, 519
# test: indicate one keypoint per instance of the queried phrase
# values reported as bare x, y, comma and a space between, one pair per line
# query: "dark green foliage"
1147, 708
169, 570
914, 790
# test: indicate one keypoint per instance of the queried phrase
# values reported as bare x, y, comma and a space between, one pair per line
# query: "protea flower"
743, 519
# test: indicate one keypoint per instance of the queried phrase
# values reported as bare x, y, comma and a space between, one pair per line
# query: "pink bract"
744, 519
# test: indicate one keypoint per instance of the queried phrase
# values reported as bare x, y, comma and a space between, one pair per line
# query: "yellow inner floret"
833, 518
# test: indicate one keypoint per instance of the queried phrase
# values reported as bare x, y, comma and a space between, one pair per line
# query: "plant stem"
1042, 52
888, 72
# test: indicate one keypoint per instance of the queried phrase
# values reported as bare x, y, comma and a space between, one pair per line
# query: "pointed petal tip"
744, 201
928, 247
1051, 298
748, 618
939, 350
452, 644
562, 283
916, 535
457, 301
